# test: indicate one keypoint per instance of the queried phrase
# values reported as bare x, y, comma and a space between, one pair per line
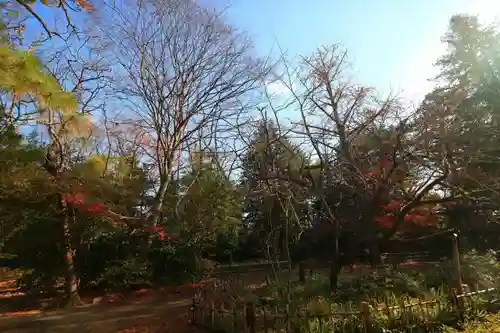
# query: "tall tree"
208, 206
470, 68
27, 81
276, 210
356, 184
181, 69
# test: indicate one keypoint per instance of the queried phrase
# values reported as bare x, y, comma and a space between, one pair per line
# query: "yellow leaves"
196, 159
67, 125
22, 75
97, 163
76, 125
124, 167
97, 166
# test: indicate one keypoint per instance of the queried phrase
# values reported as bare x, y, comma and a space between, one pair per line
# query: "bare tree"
366, 154
180, 69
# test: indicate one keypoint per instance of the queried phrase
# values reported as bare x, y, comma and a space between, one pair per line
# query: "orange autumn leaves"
85, 5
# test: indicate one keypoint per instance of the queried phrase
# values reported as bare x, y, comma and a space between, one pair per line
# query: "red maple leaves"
78, 200
416, 216
161, 234
390, 210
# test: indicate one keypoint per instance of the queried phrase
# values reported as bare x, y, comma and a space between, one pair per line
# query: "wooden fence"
230, 315
392, 259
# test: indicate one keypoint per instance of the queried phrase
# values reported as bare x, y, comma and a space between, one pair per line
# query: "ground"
489, 324
161, 310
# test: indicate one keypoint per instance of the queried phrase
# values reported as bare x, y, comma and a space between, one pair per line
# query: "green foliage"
420, 281
41, 256
485, 324
110, 249
22, 74
209, 220
209, 210
28, 211
114, 261
382, 289
126, 274
469, 79
275, 208
179, 263
481, 270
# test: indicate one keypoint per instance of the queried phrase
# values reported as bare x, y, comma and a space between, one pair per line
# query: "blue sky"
391, 43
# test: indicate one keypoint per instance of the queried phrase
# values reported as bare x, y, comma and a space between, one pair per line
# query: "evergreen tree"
276, 209
470, 70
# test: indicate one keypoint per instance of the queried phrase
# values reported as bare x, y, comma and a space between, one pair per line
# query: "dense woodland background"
141, 144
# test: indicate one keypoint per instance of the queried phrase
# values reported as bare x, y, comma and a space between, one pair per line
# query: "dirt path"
149, 317
152, 312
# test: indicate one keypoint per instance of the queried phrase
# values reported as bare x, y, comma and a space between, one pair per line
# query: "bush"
126, 274
419, 281
175, 263
111, 255
42, 257
380, 284
481, 270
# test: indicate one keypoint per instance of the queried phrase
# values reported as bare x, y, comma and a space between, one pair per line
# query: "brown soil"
160, 310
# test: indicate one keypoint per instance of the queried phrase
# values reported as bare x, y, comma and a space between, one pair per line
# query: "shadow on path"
153, 316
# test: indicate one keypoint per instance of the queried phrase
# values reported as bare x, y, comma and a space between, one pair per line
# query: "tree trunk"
53, 167
336, 264
335, 269
71, 280
302, 273
156, 213
158, 200
375, 255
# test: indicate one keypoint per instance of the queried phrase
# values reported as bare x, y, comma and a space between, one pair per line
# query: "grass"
487, 324
381, 289
423, 291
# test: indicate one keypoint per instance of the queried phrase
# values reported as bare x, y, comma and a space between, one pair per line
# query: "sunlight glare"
487, 10
413, 77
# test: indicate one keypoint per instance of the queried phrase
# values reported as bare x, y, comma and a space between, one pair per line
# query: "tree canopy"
174, 155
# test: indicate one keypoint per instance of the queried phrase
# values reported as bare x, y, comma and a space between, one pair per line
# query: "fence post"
222, 312
456, 264
458, 304
302, 273
367, 316
287, 319
250, 318
235, 321
193, 309
212, 314
264, 317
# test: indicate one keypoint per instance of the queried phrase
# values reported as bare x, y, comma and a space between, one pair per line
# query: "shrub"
481, 270
101, 255
40, 256
175, 263
126, 274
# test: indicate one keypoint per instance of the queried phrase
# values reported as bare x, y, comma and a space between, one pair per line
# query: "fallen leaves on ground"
174, 318
20, 313
7, 284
